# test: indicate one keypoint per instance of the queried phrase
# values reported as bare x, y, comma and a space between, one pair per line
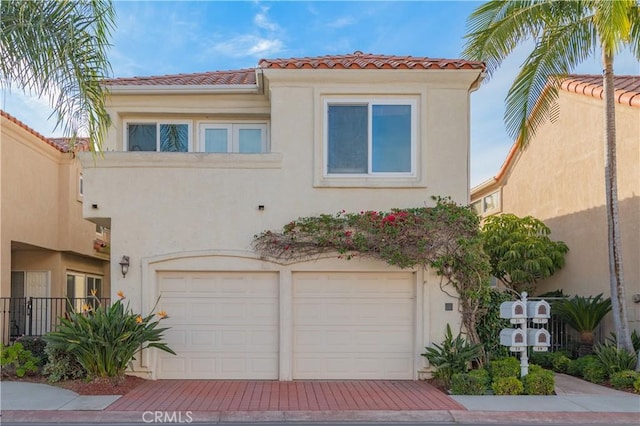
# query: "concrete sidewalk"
576, 402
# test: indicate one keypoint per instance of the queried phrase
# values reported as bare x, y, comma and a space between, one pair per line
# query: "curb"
432, 416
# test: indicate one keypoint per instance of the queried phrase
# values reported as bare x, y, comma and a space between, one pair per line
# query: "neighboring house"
47, 250
559, 179
258, 148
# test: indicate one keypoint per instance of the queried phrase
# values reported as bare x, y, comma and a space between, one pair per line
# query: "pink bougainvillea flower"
139, 319
120, 294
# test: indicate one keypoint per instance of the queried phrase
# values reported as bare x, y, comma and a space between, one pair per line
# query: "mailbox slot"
514, 338
539, 311
516, 311
538, 337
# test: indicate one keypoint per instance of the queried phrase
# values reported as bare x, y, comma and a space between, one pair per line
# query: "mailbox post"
519, 313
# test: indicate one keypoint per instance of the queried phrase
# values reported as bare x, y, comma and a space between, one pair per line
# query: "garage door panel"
223, 325
353, 325
364, 312
318, 339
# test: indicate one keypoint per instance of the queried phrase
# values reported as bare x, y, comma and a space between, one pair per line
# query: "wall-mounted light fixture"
124, 265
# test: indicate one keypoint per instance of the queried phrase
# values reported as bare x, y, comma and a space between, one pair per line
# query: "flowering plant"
445, 237
106, 339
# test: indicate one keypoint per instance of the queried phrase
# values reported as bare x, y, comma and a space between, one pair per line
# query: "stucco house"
47, 249
559, 179
197, 164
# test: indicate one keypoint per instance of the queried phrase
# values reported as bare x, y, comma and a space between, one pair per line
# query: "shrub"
614, 359
35, 345
506, 367
543, 359
453, 356
16, 360
539, 382
467, 384
62, 365
561, 363
507, 386
595, 372
576, 367
624, 379
490, 324
636, 385
106, 340
482, 375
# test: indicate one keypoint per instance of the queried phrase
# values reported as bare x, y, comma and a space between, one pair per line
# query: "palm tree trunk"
618, 300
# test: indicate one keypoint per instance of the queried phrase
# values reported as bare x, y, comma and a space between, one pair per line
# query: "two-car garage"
328, 325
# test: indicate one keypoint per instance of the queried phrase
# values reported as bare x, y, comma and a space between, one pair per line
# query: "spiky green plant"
106, 339
583, 314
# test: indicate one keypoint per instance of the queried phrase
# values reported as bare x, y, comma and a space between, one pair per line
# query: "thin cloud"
262, 21
248, 45
345, 21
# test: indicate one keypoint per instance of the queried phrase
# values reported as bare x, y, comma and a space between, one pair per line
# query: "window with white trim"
158, 136
370, 137
243, 138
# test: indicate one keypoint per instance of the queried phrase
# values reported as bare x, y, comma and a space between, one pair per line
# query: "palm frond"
583, 313
496, 28
58, 50
634, 31
535, 89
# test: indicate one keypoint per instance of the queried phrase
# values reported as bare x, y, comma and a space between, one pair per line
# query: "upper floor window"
370, 137
244, 138
158, 136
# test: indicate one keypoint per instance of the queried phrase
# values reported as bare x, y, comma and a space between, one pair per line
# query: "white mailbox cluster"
517, 339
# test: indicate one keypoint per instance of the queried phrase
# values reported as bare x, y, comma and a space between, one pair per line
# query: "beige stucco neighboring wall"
41, 211
559, 179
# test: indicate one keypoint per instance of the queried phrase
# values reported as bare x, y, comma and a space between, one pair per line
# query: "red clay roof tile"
627, 87
359, 60
214, 78
61, 144
356, 60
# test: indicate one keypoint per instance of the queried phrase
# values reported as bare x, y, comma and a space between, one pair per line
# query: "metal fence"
36, 316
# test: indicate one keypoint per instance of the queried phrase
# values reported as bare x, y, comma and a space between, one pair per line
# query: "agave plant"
583, 314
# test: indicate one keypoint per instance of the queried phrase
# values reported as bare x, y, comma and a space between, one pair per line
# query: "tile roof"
214, 78
356, 60
627, 87
359, 60
61, 144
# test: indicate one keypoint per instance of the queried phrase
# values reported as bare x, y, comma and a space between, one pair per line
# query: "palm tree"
583, 314
57, 49
565, 34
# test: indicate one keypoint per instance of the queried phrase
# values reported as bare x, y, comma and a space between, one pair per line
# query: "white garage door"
224, 325
353, 325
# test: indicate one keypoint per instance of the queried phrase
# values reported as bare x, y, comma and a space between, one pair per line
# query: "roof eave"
176, 89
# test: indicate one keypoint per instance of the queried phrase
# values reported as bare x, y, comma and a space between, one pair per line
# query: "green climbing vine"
445, 237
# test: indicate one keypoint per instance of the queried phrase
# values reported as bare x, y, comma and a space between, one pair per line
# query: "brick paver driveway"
236, 395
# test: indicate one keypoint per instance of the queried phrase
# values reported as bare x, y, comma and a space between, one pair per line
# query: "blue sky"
169, 37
